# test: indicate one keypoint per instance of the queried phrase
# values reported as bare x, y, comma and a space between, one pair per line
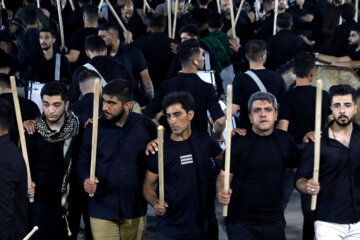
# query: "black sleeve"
76, 43
8, 180
213, 105
237, 90
152, 163
74, 87
139, 60
284, 111
294, 156
84, 159
306, 166
66, 74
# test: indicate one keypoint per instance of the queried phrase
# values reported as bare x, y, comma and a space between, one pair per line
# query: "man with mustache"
187, 167
338, 189
118, 207
257, 174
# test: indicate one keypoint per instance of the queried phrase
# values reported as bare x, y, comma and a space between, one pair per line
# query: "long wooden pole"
116, 16
218, 6
161, 163
232, 19
228, 143
72, 5
340, 19
37, 3
317, 138
31, 233
169, 17
100, 4
175, 18
275, 15
94, 130
61, 25
21, 130
356, 10
239, 11
257, 14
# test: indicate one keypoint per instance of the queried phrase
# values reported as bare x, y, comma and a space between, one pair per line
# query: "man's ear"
67, 105
128, 106
87, 53
191, 114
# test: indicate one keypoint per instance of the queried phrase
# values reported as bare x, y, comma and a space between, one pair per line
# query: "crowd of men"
149, 77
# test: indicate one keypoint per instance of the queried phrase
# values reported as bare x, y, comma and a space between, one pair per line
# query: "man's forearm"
150, 195
301, 185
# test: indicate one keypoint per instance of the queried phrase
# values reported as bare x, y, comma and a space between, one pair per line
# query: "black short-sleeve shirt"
298, 107
258, 164
181, 220
244, 86
78, 43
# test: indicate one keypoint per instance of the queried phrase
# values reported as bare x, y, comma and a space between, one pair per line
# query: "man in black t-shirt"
245, 85
352, 59
131, 57
77, 54
187, 167
191, 58
297, 114
257, 174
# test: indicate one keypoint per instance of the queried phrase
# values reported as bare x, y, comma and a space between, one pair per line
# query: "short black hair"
284, 20
356, 28
215, 20
184, 98
157, 20
191, 29
120, 88
4, 81
87, 74
6, 115
341, 90
255, 49
347, 11
49, 30
262, 96
91, 12
95, 43
109, 27
55, 88
303, 63
30, 15
187, 49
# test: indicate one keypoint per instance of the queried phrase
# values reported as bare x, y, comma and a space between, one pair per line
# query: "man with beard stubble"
338, 188
118, 207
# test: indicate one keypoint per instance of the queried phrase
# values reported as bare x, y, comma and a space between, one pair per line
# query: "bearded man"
50, 158
338, 204
118, 207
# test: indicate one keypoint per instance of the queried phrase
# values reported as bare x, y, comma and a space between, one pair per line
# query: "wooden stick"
161, 163
94, 131
257, 14
218, 6
275, 15
21, 130
317, 138
31, 233
228, 143
232, 19
116, 16
37, 3
175, 18
100, 4
340, 19
61, 25
356, 10
169, 17
239, 11
146, 5
72, 5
